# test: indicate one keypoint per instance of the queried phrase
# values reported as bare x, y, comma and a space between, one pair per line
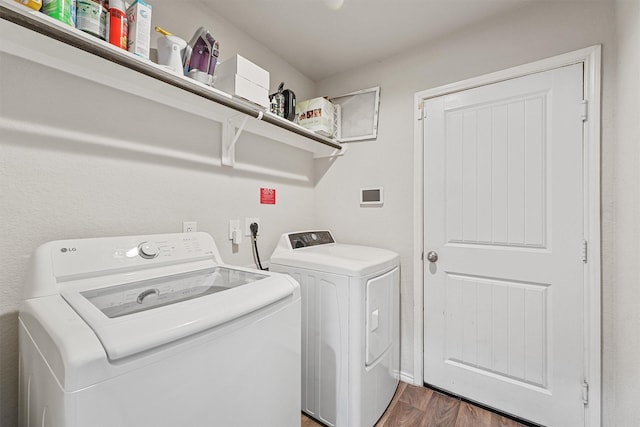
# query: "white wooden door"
503, 303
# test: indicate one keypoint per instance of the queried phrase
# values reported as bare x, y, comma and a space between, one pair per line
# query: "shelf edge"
64, 35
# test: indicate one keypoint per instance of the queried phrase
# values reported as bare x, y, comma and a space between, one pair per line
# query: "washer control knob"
148, 250
314, 236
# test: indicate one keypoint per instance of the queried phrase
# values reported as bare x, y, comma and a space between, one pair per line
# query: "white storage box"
240, 77
139, 21
243, 67
239, 86
317, 115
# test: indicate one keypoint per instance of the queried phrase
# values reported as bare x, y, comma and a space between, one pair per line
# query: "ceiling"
324, 37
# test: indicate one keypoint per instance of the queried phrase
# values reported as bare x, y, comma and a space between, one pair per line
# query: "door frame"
591, 58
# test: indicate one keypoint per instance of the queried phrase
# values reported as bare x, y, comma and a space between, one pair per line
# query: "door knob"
432, 256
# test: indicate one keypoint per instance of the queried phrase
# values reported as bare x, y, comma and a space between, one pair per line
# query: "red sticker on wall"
267, 196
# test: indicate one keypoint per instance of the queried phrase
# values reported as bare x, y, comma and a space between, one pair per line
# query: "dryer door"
380, 318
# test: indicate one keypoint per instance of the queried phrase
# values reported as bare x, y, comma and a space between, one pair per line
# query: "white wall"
184, 18
535, 32
622, 207
57, 188
50, 189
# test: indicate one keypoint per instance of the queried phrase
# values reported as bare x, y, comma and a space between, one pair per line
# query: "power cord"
254, 237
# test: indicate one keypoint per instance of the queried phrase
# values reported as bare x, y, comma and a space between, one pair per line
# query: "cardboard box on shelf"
317, 115
139, 22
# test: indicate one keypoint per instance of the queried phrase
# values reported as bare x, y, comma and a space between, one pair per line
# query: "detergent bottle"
59, 9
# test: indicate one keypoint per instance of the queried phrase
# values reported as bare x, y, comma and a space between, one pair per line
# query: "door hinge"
421, 108
585, 251
584, 108
585, 392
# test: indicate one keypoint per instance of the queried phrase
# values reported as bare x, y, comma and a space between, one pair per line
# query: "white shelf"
76, 55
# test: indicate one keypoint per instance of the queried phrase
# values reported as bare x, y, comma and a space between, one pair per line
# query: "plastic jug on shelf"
170, 51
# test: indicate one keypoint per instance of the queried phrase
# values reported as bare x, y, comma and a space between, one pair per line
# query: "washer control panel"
310, 238
83, 256
148, 250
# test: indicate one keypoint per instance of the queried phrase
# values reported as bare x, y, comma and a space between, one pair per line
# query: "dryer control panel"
310, 238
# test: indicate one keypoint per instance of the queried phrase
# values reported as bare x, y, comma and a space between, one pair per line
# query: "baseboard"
407, 378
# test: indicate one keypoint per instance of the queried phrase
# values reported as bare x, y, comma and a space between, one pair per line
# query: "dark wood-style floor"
414, 406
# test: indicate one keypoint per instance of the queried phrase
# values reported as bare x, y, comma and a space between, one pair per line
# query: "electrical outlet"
189, 226
247, 224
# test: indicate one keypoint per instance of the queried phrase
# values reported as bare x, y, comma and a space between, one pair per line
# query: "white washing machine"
156, 331
350, 326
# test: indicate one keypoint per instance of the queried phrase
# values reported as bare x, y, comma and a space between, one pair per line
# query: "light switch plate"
234, 224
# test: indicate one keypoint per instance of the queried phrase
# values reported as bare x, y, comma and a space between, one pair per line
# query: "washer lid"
337, 258
132, 317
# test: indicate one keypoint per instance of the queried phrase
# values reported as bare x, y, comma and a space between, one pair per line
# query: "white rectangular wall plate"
235, 232
189, 226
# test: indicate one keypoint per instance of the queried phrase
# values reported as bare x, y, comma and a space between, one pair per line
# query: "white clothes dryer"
156, 331
350, 326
